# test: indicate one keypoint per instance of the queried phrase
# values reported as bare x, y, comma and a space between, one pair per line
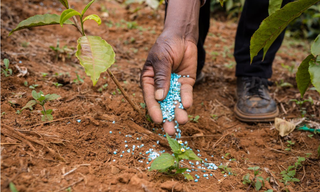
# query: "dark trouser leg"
204, 24
254, 11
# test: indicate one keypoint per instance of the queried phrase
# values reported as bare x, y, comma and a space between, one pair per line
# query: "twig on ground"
283, 109
219, 140
125, 95
52, 121
304, 173
62, 189
72, 170
10, 131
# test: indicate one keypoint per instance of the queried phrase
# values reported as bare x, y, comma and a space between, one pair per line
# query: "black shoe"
254, 102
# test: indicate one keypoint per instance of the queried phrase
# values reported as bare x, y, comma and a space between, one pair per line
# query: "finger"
181, 116
147, 84
162, 72
169, 127
186, 92
152, 105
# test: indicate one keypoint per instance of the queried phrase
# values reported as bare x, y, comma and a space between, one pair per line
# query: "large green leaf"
272, 26
40, 20
274, 5
315, 47
93, 17
95, 55
86, 7
164, 161
175, 146
65, 3
67, 14
303, 76
314, 70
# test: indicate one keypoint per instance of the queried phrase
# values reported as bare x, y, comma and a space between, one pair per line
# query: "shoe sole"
249, 118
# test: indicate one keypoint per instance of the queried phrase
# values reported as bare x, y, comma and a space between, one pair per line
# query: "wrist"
182, 19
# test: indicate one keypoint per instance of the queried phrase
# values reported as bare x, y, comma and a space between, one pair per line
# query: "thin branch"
125, 95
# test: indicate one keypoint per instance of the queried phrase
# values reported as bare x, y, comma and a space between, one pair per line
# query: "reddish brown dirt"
89, 146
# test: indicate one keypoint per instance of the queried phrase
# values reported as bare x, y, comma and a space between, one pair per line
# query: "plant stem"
125, 95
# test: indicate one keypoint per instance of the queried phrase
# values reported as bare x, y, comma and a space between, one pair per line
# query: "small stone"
115, 170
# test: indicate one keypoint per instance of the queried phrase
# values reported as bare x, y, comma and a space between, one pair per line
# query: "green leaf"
295, 180
29, 105
51, 97
67, 14
12, 187
182, 170
188, 176
46, 117
93, 17
49, 111
315, 47
303, 76
189, 155
272, 26
40, 20
164, 161
258, 185
274, 5
6, 63
65, 3
254, 168
87, 7
175, 146
291, 173
35, 95
95, 55
314, 71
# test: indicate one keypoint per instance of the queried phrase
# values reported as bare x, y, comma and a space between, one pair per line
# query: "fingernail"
159, 94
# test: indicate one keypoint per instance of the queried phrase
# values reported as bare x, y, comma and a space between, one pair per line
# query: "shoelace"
255, 86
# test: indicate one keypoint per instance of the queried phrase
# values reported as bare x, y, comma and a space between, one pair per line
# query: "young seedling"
300, 103
289, 145
225, 169
170, 164
33, 86
194, 119
257, 181
7, 72
94, 53
78, 80
103, 87
42, 99
57, 84
62, 53
288, 175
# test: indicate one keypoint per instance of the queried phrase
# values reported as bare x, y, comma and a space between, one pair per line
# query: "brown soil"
75, 152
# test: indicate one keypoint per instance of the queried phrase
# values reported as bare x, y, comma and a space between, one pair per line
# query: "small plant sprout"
170, 164
78, 80
42, 99
225, 169
289, 145
57, 84
289, 174
62, 53
194, 119
103, 87
7, 72
257, 181
25, 83
44, 74
33, 86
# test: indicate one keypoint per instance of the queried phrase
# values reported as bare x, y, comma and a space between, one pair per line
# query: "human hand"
170, 54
